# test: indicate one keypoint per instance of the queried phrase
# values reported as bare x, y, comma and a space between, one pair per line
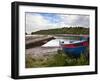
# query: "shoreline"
37, 40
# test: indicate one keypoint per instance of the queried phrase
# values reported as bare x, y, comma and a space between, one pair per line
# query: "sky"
43, 21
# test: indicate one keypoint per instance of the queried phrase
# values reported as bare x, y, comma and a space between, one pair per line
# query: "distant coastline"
64, 30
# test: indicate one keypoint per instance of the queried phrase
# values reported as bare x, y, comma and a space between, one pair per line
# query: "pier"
37, 40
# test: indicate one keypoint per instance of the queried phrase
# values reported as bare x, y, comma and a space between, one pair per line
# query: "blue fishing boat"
75, 48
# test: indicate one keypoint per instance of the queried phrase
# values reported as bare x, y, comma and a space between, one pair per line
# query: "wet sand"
42, 51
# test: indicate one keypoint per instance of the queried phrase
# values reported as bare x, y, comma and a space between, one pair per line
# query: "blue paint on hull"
74, 51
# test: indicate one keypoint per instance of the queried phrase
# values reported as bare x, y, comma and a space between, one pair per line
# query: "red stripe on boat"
85, 43
75, 44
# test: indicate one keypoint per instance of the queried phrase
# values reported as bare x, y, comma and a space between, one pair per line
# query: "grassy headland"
64, 30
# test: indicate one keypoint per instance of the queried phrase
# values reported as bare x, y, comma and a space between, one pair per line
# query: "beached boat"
75, 48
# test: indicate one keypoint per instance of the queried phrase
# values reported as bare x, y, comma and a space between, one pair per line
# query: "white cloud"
35, 22
68, 18
75, 20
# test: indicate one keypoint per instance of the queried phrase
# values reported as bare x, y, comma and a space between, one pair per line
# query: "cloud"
75, 20
41, 21
35, 22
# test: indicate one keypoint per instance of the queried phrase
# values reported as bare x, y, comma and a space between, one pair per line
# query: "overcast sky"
43, 21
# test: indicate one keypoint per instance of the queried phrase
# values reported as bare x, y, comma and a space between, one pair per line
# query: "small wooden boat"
75, 48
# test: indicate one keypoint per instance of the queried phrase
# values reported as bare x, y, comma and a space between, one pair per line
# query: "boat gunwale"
75, 42
74, 47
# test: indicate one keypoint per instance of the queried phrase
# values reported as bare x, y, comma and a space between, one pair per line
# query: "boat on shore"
75, 48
